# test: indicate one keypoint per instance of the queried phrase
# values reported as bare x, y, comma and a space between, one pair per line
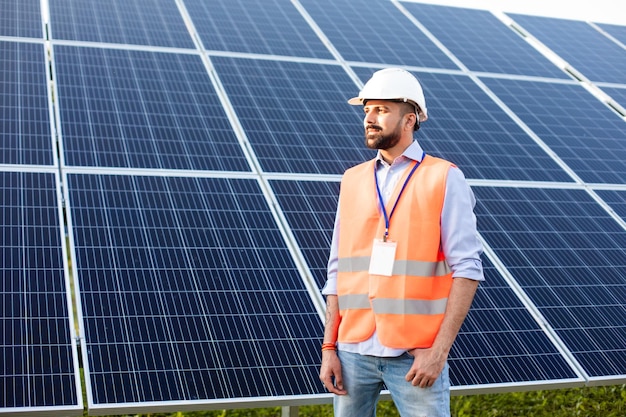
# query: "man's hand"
331, 371
426, 368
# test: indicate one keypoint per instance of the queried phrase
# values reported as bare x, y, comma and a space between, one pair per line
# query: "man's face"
383, 123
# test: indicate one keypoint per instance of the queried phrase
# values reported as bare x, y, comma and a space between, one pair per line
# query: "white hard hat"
393, 84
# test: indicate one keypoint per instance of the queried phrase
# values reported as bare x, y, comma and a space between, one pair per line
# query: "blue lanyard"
380, 196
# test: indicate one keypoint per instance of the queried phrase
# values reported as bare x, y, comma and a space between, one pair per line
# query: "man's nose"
370, 117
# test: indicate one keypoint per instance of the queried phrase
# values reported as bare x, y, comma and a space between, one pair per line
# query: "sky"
598, 11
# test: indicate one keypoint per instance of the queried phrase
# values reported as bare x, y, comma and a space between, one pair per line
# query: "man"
404, 263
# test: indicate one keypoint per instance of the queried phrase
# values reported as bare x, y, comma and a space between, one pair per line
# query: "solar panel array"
170, 172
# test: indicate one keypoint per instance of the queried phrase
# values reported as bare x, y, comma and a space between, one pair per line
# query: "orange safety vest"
406, 308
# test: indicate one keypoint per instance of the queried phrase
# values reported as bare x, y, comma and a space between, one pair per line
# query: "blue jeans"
363, 378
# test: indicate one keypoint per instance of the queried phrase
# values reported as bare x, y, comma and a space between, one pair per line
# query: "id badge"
383, 257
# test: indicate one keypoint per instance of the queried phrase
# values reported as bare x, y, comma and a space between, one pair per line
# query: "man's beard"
378, 140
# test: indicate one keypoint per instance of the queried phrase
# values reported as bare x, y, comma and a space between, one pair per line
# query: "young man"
404, 263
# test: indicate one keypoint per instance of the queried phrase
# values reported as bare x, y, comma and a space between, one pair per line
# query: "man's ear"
411, 120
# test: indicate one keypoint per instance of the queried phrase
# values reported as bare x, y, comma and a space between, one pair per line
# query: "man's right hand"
330, 372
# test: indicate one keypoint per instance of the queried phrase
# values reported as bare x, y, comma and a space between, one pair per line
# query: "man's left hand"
426, 368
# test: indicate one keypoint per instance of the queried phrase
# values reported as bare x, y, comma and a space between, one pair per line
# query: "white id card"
383, 256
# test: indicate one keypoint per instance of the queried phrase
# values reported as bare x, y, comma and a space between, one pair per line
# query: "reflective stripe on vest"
417, 268
392, 305
406, 309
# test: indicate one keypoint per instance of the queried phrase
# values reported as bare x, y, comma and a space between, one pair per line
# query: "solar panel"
583, 47
616, 31
138, 22
38, 371
272, 27
468, 128
617, 94
140, 109
567, 254
295, 114
392, 40
482, 42
615, 199
310, 208
21, 18
24, 113
501, 343
582, 131
188, 293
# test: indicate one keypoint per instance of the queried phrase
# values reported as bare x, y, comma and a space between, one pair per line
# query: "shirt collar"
413, 152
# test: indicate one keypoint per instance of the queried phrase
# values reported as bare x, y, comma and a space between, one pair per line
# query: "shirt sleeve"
459, 235
330, 288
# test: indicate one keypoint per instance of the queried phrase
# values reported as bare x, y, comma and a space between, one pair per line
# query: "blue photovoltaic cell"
499, 343
24, 113
584, 133
468, 128
375, 31
616, 31
296, 115
568, 255
188, 292
583, 47
272, 27
138, 22
21, 18
142, 109
482, 42
615, 199
617, 94
310, 208
37, 356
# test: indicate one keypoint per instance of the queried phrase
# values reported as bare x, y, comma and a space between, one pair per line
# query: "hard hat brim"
358, 101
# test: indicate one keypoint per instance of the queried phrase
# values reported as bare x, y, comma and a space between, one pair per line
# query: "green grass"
609, 401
